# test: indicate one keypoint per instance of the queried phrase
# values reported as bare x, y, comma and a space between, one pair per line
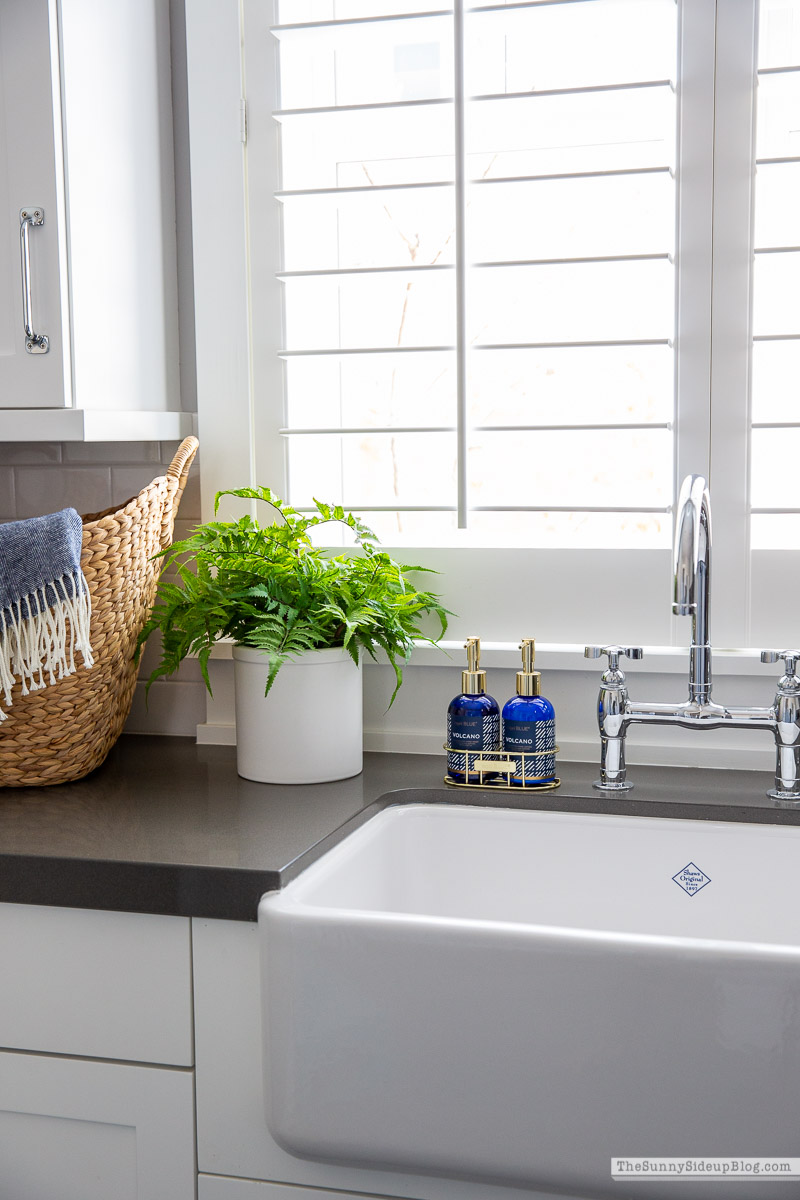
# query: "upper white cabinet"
86, 140
31, 173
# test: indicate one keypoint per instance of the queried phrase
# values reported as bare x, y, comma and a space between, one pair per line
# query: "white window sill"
671, 660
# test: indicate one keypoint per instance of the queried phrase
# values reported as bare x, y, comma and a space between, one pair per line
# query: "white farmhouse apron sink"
518, 996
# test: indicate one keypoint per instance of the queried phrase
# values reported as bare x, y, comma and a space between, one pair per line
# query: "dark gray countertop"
166, 826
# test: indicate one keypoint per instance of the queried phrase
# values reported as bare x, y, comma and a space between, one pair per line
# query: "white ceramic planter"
309, 728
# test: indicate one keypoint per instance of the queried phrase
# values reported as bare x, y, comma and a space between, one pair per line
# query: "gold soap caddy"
503, 763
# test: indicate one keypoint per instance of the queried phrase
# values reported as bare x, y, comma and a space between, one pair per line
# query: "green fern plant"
271, 588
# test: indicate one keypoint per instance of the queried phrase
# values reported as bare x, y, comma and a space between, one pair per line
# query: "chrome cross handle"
612, 704
613, 653
790, 659
786, 717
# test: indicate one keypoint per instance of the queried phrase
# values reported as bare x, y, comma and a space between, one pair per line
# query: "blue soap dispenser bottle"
473, 718
529, 725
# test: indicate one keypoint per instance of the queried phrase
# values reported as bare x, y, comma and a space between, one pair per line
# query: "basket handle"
177, 469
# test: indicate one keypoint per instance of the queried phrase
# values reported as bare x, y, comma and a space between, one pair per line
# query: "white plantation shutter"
756, 327
477, 267
775, 493
369, 281
482, 245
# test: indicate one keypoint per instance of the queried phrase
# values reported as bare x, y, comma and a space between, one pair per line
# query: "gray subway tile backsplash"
41, 477
8, 507
30, 453
129, 481
46, 489
113, 453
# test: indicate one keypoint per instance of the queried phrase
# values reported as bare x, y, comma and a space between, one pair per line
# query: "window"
478, 216
484, 243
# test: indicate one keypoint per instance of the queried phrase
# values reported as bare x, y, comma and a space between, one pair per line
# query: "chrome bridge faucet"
616, 711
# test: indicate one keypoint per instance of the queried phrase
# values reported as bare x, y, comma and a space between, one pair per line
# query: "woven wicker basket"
65, 731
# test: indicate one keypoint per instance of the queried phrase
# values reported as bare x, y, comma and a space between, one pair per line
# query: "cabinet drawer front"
81, 1130
219, 1187
96, 984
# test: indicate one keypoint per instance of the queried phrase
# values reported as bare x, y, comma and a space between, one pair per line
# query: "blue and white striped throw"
45, 607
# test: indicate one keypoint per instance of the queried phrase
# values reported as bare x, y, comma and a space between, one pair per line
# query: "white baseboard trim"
752, 758
682, 754
403, 741
210, 734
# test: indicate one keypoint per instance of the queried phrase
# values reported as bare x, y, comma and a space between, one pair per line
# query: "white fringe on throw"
44, 642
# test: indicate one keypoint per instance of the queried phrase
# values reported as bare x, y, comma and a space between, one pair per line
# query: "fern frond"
271, 588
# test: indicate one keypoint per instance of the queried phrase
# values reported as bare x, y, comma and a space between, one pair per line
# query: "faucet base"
784, 799
624, 786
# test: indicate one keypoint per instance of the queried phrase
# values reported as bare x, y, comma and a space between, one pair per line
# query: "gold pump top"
528, 680
473, 680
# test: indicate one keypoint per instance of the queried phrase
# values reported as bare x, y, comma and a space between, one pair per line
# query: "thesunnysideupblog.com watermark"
705, 1168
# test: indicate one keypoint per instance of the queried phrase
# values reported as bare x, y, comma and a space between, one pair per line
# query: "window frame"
566, 595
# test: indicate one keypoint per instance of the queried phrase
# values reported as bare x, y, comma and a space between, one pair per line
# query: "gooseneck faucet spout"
693, 579
616, 712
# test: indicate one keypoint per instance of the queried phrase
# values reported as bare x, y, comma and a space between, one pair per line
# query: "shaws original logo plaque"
691, 879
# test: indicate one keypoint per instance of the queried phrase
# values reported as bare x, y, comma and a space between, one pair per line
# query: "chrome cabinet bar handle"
35, 343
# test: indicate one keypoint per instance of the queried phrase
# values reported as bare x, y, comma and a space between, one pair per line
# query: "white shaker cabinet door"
72, 1129
31, 176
